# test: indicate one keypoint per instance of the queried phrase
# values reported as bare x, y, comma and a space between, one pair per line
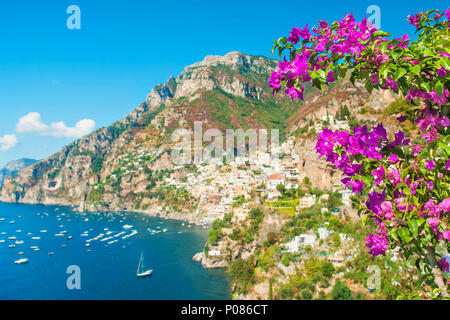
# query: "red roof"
276, 176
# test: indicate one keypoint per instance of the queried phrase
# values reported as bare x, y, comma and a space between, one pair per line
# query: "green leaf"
393, 234
364, 219
404, 235
384, 70
380, 33
413, 227
400, 73
426, 86
415, 69
439, 88
383, 47
396, 54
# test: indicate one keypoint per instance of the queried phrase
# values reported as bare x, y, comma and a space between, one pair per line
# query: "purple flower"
429, 165
394, 159
429, 185
294, 93
374, 202
401, 119
377, 243
414, 20
330, 76
444, 264
441, 71
357, 186
294, 35
399, 140
447, 165
274, 81
395, 177
378, 174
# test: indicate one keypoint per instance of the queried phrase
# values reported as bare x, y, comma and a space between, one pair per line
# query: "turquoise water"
108, 270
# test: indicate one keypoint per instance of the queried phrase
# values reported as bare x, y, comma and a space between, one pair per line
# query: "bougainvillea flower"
429, 165
377, 243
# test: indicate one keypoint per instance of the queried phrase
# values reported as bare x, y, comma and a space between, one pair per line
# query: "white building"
300, 241
346, 197
274, 180
323, 232
306, 202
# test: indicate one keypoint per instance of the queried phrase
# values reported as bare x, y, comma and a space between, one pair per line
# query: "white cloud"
7, 142
32, 123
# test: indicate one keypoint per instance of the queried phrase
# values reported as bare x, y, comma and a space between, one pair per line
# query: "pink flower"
400, 202
433, 222
386, 209
445, 205
429, 165
446, 235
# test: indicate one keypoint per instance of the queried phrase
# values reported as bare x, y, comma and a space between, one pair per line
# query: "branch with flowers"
404, 183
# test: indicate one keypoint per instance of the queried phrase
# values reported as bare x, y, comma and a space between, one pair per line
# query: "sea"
95, 256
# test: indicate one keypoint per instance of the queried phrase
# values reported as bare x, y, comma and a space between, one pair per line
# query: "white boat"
19, 241
2, 219
20, 261
43, 231
20, 253
12, 246
35, 238
12, 238
140, 269
51, 253
127, 226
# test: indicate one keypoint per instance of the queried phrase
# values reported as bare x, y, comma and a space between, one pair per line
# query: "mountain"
15, 166
116, 167
127, 164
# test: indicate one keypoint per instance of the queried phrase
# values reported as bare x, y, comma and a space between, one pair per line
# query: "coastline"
191, 218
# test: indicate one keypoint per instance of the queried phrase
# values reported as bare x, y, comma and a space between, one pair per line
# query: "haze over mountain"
14, 166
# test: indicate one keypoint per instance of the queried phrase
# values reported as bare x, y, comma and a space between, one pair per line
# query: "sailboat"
140, 272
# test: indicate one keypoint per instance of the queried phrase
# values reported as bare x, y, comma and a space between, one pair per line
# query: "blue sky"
124, 48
